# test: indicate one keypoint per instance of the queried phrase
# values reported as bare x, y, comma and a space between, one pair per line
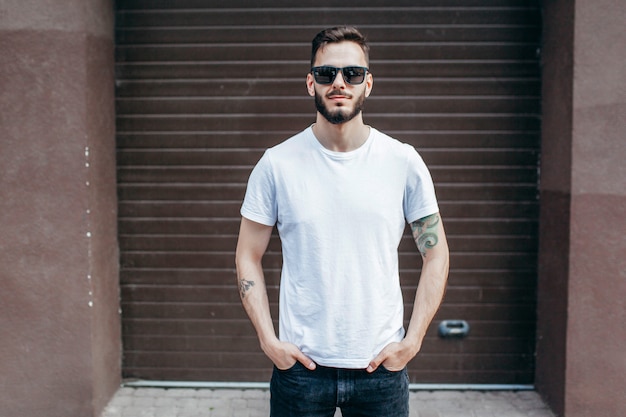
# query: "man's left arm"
431, 242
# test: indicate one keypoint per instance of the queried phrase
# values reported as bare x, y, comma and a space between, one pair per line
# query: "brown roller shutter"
203, 89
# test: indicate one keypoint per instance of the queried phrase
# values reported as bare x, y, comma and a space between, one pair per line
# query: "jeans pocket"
386, 370
292, 368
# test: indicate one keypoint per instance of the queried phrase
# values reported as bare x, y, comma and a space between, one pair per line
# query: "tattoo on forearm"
244, 287
425, 233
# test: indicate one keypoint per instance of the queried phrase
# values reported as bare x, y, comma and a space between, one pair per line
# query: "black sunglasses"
327, 74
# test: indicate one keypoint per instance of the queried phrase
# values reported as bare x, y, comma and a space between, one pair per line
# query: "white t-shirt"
340, 217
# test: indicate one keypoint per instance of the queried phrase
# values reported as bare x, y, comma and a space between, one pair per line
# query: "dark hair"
336, 35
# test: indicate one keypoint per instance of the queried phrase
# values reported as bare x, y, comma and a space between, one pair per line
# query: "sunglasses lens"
351, 75
354, 75
324, 75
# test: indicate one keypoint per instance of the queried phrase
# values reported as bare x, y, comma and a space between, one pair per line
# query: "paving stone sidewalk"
160, 402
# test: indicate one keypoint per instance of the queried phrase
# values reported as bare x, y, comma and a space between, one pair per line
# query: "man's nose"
339, 82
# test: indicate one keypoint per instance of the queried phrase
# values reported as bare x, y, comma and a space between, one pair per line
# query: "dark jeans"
298, 392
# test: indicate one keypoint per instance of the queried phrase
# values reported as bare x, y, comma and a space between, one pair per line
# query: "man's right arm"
251, 246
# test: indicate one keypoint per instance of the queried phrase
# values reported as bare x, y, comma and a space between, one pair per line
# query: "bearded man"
340, 193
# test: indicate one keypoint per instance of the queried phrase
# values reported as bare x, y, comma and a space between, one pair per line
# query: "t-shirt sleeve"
419, 193
259, 204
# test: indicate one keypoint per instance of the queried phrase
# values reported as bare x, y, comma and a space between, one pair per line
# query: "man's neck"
343, 137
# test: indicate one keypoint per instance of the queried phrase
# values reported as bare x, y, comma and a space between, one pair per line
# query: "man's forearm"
428, 297
431, 241
255, 301
251, 247
253, 294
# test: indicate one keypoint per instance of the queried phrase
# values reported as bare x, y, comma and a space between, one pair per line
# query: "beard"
339, 114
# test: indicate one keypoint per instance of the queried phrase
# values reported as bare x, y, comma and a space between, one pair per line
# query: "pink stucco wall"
596, 359
60, 343
582, 280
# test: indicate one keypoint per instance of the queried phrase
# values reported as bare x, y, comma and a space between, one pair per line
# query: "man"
340, 193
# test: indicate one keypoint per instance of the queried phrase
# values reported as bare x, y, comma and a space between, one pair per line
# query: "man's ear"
310, 84
369, 84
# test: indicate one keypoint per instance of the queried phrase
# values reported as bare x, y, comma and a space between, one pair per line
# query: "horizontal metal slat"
200, 276
229, 294
202, 4
189, 157
196, 311
261, 140
243, 34
262, 52
243, 328
321, 17
235, 192
230, 209
296, 69
279, 86
184, 344
226, 243
180, 226
483, 278
467, 260
484, 226
165, 174
427, 362
217, 158
235, 174
279, 105
294, 122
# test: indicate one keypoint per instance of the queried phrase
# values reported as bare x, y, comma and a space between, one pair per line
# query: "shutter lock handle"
453, 328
